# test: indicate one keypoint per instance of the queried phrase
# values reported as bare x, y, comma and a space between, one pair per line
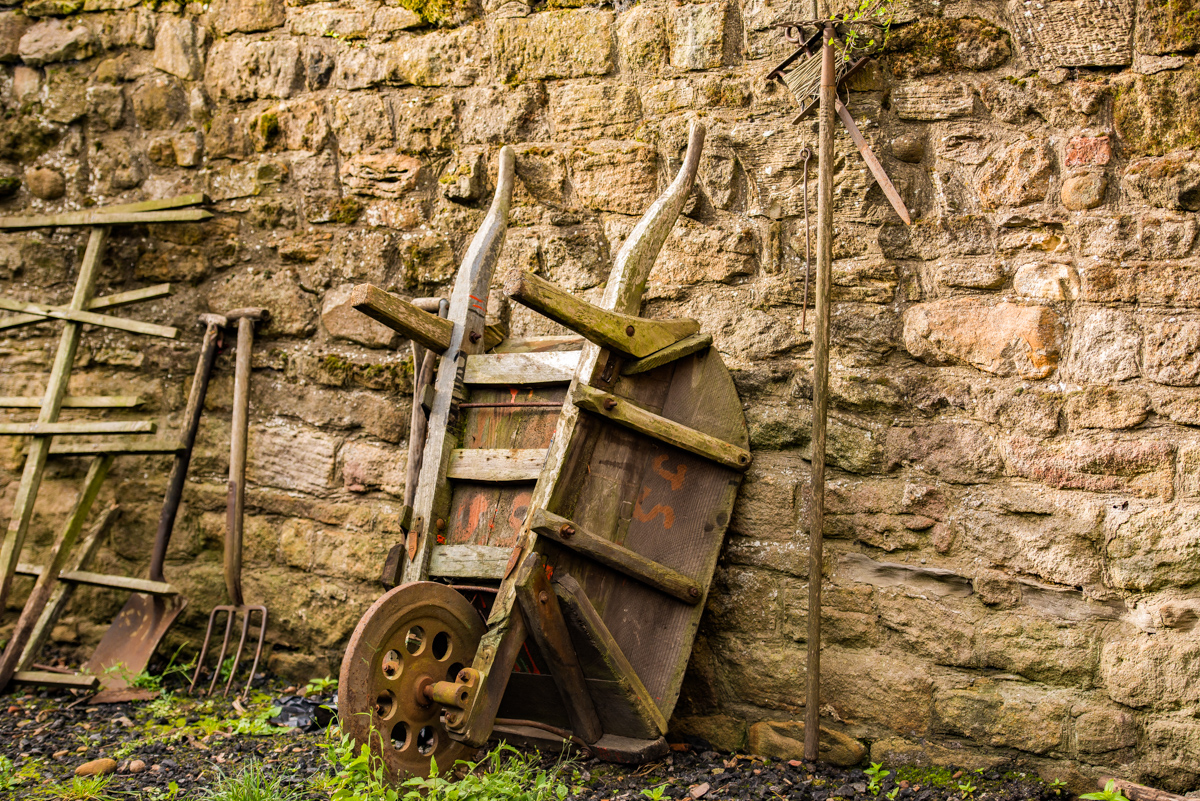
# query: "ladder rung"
104, 580
129, 445
499, 465
521, 369
48, 678
73, 402
469, 561
79, 427
628, 414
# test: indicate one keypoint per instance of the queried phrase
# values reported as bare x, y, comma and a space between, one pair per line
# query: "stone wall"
1014, 557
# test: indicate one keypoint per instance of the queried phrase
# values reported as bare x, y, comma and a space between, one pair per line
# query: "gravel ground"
177, 747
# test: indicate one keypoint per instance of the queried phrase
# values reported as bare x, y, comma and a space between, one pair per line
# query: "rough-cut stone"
341, 320
593, 110
1102, 729
1171, 349
1152, 672
158, 102
179, 47
292, 458
1153, 547
615, 176
454, 58
1003, 338
1017, 177
381, 174
1153, 113
248, 16
956, 452
1073, 33
1085, 151
1051, 651
46, 183
555, 44
642, 39
785, 740
13, 25
1005, 714
241, 69
368, 467
1166, 27
1107, 407
1170, 182
56, 40
1083, 192
698, 35
1105, 346
909, 147
1046, 281
1144, 468
932, 100
292, 309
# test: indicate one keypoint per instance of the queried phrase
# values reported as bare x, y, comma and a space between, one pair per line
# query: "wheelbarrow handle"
191, 424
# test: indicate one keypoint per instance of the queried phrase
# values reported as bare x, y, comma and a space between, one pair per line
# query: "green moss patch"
935, 46
1156, 114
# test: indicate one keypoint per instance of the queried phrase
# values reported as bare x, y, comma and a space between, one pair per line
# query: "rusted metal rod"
825, 157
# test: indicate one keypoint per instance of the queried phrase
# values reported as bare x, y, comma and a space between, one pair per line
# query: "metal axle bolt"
629, 329
566, 530
543, 597
610, 403
475, 336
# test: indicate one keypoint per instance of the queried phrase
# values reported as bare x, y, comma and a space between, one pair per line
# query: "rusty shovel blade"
130, 642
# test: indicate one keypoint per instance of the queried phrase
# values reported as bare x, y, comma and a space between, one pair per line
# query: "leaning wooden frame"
572, 492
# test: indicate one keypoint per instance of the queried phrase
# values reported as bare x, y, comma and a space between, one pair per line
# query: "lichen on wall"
1012, 557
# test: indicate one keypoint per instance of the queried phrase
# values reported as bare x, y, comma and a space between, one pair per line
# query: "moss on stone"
347, 211
1155, 114
936, 46
268, 128
435, 12
1174, 24
23, 136
9, 187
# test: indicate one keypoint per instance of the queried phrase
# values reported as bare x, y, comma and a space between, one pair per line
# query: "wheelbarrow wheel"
415, 635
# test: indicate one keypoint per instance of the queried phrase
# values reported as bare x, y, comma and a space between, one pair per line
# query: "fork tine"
212, 616
262, 633
244, 611
224, 647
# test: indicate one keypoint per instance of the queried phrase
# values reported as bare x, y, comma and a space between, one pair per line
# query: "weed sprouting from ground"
90, 789
251, 784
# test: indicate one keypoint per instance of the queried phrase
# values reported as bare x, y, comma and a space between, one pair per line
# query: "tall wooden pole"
825, 156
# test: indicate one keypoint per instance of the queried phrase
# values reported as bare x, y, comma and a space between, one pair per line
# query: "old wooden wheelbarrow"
568, 508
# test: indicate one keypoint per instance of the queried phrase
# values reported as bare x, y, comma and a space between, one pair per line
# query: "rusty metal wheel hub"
413, 637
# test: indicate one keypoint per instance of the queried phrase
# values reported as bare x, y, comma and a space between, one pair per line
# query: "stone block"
1158, 672
1073, 33
697, 35
1107, 407
1105, 346
615, 176
1100, 729
1053, 651
301, 124
388, 175
593, 110
1152, 547
1153, 113
390, 19
784, 739
240, 69
929, 628
1088, 151
1002, 339
335, 21
896, 693
957, 452
502, 115
898, 751
343, 321
179, 46
292, 458
13, 25
1139, 467
158, 102
248, 16
1005, 714
1084, 191
106, 106
1169, 182
932, 100
55, 40
424, 125
1017, 177
1172, 752
724, 732
554, 44
1171, 349
45, 183
361, 122
1164, 28
1046, 281
642, 40
450, 58
367, 467
292, 309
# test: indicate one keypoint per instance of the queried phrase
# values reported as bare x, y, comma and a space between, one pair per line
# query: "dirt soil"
186, 743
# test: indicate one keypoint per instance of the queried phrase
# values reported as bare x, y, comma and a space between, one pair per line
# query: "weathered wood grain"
521, 369
469, 561
495, 464
79, 427
398, 314
684, 347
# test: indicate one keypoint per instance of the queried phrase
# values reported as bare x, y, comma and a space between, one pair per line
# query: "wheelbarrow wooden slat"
549, 344
469, 561
428, 329
684, 347
521, 369
496, 464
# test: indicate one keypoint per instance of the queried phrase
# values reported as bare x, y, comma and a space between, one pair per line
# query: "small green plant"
252, 784
1058, 785
892, 793
1109, 793
876, 774
655, 793
320, 686
12, 777
877, 15
967, 788
89, 789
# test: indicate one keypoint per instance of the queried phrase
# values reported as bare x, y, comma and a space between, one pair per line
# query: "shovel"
138, 628
233, 527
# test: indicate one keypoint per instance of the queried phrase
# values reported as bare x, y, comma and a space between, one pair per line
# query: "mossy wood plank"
132, 444
89, 318
75, 402
79, 427
98, 218
521, 369
398, 314
684, 347
625, 333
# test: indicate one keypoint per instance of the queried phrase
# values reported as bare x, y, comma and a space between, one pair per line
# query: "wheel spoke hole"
414, 641
385, 705
427, 740
453, 671
441, 646
391, 665
400, 736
